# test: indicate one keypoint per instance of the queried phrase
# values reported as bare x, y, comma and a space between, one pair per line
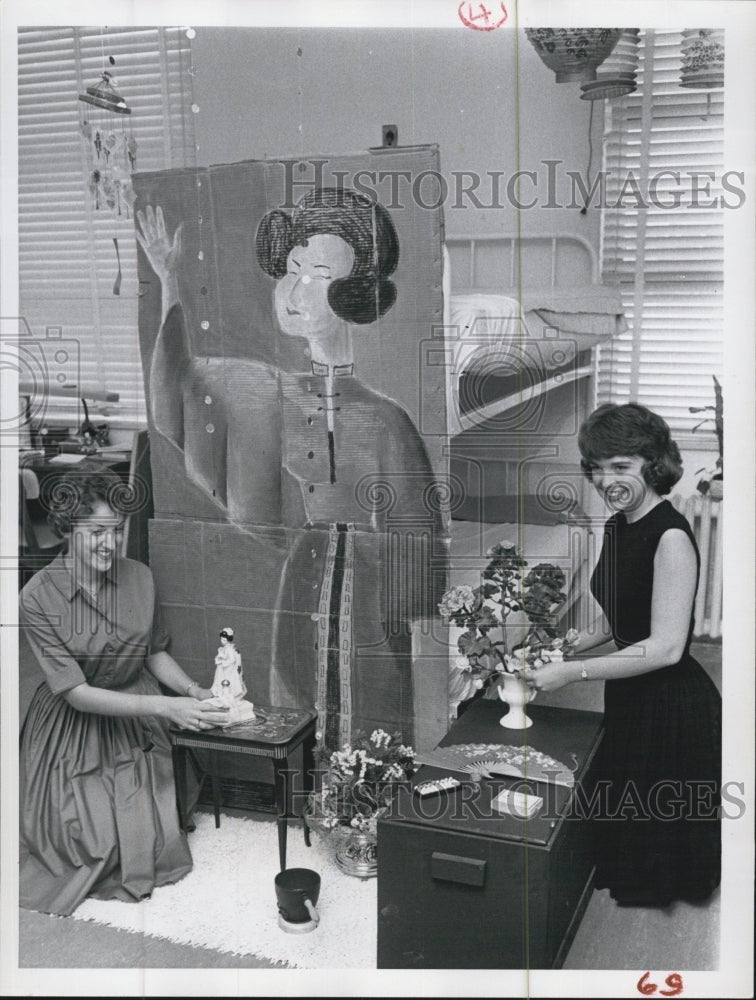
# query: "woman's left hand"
549, 677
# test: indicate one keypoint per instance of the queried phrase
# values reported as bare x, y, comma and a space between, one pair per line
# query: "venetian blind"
662, 238
67, 256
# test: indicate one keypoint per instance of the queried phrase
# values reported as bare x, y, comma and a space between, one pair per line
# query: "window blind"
663, 239
67, 256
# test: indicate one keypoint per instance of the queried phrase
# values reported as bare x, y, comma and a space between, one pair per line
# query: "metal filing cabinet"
460, 886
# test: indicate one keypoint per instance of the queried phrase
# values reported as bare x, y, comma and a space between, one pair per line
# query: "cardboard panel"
298, 506
227, 304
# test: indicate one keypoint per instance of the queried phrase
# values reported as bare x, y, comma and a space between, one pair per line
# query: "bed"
521, 358
523, 319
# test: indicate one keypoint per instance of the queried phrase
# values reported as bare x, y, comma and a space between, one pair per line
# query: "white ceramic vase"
516, 693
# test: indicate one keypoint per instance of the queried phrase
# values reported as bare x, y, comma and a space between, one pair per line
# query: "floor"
682, 936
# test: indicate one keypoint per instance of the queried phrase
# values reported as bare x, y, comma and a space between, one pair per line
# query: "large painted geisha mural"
297, 441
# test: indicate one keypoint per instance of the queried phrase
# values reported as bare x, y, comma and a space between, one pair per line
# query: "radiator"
705, 518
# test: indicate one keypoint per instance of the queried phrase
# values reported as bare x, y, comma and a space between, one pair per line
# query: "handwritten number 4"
483, 18
674, 981
483, 15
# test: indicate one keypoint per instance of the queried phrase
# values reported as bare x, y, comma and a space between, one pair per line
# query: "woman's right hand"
162, 252
190, 713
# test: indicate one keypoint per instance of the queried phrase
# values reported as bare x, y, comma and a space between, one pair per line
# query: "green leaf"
486, 617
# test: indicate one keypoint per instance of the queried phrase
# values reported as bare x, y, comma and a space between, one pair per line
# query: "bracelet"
583, 672
190, 686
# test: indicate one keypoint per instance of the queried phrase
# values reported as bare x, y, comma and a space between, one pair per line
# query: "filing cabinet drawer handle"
453, 868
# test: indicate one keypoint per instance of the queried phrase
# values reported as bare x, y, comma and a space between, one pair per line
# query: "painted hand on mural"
162, 252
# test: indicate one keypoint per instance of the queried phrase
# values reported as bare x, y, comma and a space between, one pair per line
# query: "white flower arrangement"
361, 780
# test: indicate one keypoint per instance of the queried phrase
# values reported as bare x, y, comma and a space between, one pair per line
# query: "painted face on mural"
301, 296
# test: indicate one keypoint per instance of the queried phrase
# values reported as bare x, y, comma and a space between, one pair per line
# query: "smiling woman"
94, 543
98, 811
620, 482
657, 832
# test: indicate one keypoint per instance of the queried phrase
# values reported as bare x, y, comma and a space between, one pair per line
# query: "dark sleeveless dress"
657, 827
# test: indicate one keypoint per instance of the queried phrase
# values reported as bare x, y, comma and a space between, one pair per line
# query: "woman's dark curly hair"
72, 497
629, 430
364, 224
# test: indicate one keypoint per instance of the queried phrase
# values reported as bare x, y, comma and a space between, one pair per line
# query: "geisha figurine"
228, 687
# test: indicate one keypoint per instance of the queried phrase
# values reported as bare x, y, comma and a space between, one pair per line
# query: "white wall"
486, 99
692, 461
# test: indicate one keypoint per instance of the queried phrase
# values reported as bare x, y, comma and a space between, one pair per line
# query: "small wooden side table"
276, 733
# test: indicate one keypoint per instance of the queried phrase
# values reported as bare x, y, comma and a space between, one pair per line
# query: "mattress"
504, 350
495, 324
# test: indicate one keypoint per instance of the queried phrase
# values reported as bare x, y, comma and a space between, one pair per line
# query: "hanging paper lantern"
617, 74
702, 58
573, 53
110, 147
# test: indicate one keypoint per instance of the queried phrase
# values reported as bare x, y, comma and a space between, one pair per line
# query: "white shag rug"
228, 901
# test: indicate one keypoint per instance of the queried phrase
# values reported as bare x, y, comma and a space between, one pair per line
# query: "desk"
44, 465
460, 886
275, 734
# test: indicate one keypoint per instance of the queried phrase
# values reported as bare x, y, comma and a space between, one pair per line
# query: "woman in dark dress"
657, 828
97, 800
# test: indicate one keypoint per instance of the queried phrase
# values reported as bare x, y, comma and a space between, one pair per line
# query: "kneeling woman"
97, 799
658, 828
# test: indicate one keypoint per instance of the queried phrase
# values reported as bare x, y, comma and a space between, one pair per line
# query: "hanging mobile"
111, 152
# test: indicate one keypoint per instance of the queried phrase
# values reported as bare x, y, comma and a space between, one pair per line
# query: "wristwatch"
189, 687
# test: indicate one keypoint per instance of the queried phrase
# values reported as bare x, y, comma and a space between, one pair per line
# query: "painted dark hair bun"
360, 300
365, 294
273, 243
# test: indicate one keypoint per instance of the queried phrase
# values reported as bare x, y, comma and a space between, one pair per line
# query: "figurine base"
239, 711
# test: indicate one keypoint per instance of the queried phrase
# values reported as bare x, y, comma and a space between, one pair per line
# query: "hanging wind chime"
110, 146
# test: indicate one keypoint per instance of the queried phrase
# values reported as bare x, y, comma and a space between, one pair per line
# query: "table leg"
283, 801
216, 786
178, 754
308, 765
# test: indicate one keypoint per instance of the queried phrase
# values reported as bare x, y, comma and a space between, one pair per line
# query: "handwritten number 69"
674, 981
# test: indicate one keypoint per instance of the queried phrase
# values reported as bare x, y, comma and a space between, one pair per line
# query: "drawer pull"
453, 868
